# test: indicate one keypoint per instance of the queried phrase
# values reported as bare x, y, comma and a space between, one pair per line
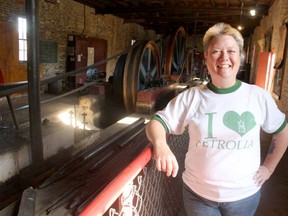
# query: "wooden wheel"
142, 71
174, 56
118, 79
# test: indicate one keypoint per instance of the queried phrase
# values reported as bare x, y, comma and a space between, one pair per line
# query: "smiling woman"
223, 174
223, 61
223, 54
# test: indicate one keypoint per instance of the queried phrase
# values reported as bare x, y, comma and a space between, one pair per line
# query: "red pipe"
108, 196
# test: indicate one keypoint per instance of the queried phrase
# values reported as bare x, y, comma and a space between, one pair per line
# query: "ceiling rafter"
182, 10
213, 3
164, 15
227, 3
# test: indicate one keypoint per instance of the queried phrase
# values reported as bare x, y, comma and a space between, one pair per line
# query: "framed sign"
48, 52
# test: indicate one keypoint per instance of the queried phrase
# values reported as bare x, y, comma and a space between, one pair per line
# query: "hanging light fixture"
252, 12
240, 27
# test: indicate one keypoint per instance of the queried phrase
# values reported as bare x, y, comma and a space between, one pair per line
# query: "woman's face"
223, 60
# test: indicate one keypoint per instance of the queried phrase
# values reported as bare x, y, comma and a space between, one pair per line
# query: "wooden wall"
10, 66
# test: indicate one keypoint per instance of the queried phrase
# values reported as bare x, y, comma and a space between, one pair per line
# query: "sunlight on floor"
69, 119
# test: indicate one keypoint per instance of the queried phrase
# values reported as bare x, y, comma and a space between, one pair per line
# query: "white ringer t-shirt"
224, 130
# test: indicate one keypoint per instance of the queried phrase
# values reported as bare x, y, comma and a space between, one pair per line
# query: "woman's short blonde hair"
222, 29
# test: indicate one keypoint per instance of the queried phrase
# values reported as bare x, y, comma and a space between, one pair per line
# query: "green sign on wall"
48, 52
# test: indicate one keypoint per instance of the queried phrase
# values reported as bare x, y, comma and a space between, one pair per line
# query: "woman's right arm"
165, 159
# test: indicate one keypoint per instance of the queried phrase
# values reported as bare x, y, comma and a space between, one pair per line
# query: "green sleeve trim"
281, 127
159, 119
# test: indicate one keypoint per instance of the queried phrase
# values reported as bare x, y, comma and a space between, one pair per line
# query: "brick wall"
59, 20
67, 17
277, 15
10, 10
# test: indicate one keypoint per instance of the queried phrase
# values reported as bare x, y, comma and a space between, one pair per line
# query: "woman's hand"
276, 151
262, 175
165, 160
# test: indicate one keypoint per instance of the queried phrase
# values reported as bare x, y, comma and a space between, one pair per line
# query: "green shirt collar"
224, 90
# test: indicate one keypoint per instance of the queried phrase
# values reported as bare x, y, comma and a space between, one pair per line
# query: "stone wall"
70, 17
11, 10
277, 15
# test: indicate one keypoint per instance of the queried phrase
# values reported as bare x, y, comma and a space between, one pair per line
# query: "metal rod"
27, 205
75, 115
56, 97
113, 138
45, 81
84, 120
12, 112
33, 69
70, 166
100, 204
128, 140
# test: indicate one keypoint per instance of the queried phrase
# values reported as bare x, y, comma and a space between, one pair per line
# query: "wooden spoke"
174, 56
142, 69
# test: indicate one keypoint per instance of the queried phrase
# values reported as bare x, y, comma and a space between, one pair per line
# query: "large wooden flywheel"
175, 53
118, 79
142, 70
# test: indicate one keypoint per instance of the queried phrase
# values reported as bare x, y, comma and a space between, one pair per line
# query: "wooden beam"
227, 3
178, 10
213, 3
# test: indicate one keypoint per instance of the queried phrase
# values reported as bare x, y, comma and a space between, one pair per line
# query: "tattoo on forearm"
271, 147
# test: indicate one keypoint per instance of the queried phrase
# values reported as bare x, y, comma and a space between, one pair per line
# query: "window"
22, 35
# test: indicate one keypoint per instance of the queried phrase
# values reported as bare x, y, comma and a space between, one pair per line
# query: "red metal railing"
108, 196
